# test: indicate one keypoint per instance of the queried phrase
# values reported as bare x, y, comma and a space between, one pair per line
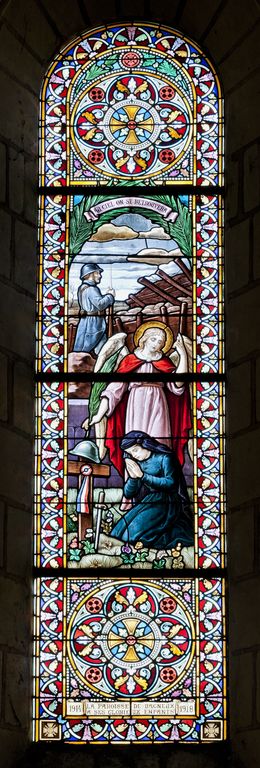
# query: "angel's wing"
113, 345
108, 360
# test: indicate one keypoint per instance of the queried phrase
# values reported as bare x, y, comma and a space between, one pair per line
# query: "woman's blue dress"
162, 518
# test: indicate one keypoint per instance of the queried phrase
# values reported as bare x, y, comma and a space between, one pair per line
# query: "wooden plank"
118, 324
183, 318
174, 283
164, 314
160, 292
136, 299
98, 470
184, 269
139, 319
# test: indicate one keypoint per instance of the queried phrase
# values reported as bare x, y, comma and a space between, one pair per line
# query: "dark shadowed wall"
31, 31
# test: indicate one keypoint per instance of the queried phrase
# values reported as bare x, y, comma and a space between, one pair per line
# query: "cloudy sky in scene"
134, 234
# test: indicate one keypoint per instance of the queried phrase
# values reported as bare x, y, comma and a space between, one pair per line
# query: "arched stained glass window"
129, 492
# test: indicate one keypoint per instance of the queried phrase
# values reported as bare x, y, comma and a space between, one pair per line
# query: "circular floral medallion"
138, 641
131, 125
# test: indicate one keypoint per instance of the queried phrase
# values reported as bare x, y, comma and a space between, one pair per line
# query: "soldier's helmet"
86, 269
88, 450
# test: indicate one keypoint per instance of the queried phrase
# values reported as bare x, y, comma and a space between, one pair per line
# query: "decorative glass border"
89, 53
207, 721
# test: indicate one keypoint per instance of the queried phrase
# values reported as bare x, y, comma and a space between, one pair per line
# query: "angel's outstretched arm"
103, 409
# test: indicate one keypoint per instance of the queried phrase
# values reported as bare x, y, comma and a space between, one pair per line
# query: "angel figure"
161, 410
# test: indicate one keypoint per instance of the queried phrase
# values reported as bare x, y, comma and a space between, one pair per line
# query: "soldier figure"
91, 332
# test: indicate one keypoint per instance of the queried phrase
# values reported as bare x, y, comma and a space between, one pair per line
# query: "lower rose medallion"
132, 639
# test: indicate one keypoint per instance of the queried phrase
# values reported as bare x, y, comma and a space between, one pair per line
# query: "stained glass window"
129, 471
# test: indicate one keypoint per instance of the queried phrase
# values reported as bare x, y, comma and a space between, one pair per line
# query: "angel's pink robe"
159, 409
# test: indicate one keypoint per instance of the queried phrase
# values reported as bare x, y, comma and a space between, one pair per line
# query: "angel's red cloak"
179, 411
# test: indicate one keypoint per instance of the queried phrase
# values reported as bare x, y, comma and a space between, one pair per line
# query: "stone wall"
31, 31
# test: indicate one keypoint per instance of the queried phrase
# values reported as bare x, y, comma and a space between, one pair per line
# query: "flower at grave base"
74, 543
139, 545
176, 552
126, 549
161, 553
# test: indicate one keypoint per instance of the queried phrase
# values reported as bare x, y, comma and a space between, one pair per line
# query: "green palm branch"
180, 229
80, 228
99, 386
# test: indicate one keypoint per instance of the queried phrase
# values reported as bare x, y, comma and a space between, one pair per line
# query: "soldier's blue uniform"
91, 332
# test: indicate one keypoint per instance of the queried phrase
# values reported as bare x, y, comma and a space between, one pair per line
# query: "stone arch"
31, 32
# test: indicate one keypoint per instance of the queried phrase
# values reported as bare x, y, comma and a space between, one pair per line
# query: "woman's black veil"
141, 438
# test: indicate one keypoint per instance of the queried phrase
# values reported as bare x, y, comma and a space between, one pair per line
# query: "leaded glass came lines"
129, 544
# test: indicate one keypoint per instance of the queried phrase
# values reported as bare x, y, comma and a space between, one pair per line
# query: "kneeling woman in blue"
160, 516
